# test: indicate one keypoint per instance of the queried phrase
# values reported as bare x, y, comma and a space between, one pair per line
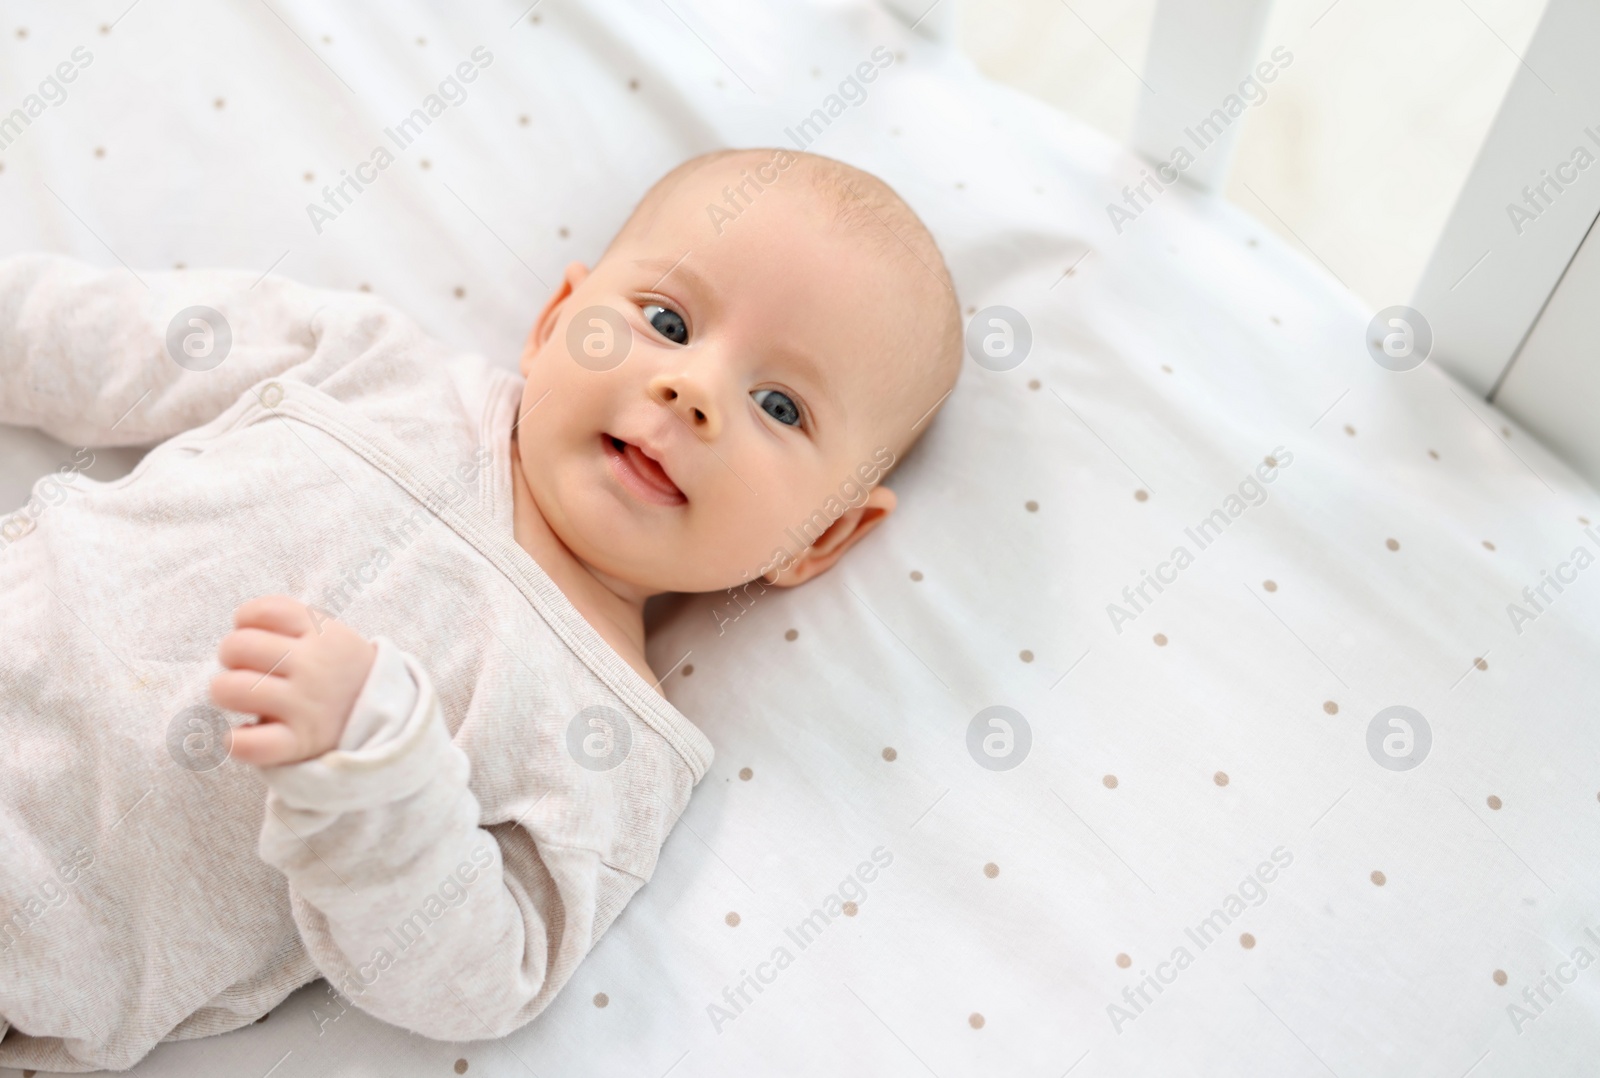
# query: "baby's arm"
95, 357
411, 910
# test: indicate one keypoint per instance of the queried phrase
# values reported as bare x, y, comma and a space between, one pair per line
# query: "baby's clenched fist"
299, 671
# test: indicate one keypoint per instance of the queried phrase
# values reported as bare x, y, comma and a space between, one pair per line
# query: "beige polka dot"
1584, 521
1379, 878
1330, 707
890, 754
1141, 495
991, 870
601, 999
732, 919
523, 120
1270, 461
1481, 663
1488, 545
1033, 383
422, 41
746, 774
1270, 585
971, 311
1220, 778
1032, 507
310, 177
460, 292
916, 574
1506, 431
1252, 241
365, 287
688, 668
1025, 655
1495, 802
179, 266
850, 909
425, 163
1247, 941
1348, 429
792, 634
22, 31
1277, 321
1433, 454
975, 1020
1110, 782
1124, 961
633, 84
1160, 639
1499, 976
1392, 544
461, 1066
99, 151
1166, 368
218, 103
563, 233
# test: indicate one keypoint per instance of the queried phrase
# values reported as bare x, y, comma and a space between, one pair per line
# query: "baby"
435, 764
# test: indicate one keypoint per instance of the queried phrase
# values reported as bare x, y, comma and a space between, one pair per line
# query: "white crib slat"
1199, 53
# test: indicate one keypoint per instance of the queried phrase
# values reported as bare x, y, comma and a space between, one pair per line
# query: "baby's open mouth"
640, 473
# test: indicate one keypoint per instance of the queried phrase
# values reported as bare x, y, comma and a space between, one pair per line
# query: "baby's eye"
779, 405
667, 322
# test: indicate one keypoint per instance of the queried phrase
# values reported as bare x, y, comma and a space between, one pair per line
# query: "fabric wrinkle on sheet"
450, 863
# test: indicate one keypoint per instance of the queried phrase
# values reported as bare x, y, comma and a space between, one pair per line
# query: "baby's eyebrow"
668, 267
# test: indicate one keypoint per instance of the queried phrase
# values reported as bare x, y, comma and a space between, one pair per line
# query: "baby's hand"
299, 672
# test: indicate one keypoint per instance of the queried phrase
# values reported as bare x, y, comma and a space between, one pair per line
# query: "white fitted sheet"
1173, 359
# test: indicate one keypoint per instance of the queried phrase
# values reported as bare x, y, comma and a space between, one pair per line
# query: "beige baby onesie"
506, 779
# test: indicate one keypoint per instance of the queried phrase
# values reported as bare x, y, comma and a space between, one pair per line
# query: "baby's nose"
690, 402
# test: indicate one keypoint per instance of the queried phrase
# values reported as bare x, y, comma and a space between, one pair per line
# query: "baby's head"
775, 330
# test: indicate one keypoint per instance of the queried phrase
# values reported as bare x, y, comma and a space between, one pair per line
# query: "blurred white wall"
1361, 147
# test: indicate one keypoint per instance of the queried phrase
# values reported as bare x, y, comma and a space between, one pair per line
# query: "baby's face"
767, 373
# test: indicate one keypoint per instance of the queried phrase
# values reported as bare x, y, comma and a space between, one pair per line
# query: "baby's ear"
841, 535
545, 324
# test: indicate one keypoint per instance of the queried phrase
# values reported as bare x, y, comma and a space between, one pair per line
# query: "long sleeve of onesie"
103, 357
405, 903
